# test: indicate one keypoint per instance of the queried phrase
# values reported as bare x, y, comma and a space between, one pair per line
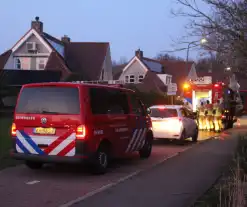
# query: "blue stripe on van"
22, 147
32, 143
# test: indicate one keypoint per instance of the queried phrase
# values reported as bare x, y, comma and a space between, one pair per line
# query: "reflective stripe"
137, 140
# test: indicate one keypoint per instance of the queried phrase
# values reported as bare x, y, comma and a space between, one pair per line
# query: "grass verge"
231, 188
5, 143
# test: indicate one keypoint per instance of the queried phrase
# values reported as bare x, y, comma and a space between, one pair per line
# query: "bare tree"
166, 56
122, 61
224, 27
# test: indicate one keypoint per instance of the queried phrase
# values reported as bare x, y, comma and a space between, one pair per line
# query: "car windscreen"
49, 100
163, 113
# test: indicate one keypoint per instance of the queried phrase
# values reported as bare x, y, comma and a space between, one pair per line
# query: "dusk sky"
126, 24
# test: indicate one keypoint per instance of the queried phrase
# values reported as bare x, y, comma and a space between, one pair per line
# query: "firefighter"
201, 114
209, 116
218, 126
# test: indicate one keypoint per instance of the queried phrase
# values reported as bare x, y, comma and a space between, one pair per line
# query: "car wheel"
101, 160
195, 136
182, 138
34, 165
146, 151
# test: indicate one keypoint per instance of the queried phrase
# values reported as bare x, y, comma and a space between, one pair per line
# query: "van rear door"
46, 119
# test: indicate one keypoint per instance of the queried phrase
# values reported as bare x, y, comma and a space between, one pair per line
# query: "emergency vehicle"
77, 122
202, 89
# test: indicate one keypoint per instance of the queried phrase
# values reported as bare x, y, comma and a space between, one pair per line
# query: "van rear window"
49, 100
163, 113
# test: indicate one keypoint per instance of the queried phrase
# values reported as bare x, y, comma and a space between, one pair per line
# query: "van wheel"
101, 160
146, 151
34, 165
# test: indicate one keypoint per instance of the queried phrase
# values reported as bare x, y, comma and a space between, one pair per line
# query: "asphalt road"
56, 185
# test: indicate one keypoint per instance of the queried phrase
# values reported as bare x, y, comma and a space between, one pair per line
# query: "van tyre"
146, 151
34, 165
101, 160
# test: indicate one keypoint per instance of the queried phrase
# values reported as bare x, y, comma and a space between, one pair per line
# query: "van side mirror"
148, 111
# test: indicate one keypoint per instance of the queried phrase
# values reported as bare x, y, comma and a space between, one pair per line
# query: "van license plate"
41, 130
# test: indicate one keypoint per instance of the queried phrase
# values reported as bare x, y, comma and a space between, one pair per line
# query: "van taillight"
80, 132
13, 130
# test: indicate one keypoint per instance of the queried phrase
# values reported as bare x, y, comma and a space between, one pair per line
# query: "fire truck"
203, 89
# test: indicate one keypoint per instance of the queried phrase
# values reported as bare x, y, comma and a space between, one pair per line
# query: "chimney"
139, 54
37, 25
65, 39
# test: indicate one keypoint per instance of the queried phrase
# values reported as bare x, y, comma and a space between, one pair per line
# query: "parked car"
73, 122
173, 122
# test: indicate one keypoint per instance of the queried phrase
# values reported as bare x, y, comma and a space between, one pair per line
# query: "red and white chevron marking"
57, 145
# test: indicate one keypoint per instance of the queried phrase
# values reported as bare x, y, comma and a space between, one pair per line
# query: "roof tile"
86, 58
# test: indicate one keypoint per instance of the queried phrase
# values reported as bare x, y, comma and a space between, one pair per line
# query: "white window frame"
168, 80
126, 79
38, 63
140, 78
132, 77
17, 63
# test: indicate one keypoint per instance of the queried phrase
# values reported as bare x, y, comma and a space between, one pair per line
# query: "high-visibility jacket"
209, 109
201, 110
217, 109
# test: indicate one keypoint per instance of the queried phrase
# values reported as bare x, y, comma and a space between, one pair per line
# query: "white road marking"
33, 182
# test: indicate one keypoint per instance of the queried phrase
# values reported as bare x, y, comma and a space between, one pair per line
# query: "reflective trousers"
202, 123
218, 125
209, 122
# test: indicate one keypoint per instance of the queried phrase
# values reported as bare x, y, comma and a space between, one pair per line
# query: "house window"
140, 79
132, 79
17, 63
126, 79
168, 80
40, 63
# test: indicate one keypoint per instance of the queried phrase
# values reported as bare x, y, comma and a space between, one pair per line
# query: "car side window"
108, 101
137, 106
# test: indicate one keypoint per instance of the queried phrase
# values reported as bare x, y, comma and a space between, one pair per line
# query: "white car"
173, 122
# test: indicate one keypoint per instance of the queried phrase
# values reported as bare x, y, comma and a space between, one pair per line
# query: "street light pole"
187, 56
202, 41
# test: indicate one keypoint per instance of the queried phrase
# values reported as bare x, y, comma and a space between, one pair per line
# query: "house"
180, 70
140, 69
38, 50
147, 74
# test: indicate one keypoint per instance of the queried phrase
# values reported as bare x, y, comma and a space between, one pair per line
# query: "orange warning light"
186, 86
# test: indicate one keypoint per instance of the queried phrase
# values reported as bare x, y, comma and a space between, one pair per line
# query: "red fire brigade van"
74, 122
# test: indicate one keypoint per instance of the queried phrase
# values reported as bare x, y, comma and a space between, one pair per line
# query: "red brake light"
80, 132
216, 85
13, 130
